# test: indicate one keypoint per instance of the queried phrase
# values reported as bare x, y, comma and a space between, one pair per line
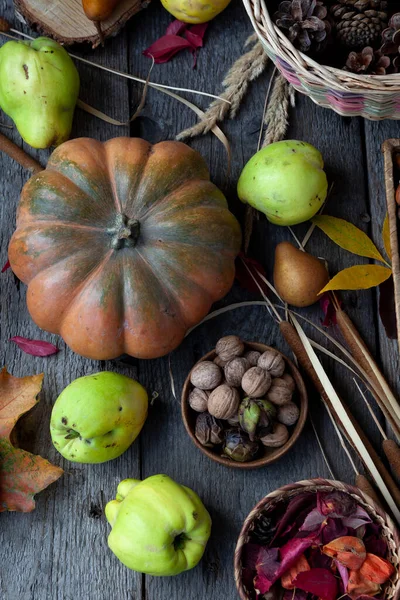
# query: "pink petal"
195, 35
34, 347
6, 266
320, 582
166, 47
176, 28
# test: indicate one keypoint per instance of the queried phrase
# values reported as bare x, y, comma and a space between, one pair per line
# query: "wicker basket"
377, 514
374, 97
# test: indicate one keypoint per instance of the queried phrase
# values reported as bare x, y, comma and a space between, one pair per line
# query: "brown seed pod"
206, 375
277, 438
252, 356
272, 361
223, 402
229, 346
288, 414
280, 392
198, 399
256, 382
235, 369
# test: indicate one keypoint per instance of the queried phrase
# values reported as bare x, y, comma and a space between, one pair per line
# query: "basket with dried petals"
368, 85
317, 538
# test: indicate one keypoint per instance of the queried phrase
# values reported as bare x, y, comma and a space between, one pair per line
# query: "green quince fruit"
39, 87
159, 527
97, 417
285, 181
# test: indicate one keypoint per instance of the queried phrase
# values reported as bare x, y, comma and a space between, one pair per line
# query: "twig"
19, 155
245, 70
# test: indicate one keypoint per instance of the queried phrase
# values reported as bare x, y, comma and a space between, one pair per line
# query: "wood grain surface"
59, 551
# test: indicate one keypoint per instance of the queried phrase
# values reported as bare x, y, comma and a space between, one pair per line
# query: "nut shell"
252, 356
290, 381
235, 369
288, 414
256, 382
198, 399
218, 361
277, 438
208, 430
223, 402
280, 392
229, 346
273, 362
206, 375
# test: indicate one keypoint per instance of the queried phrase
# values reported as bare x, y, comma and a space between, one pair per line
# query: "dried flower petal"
4, 25
6, 266
290, 575
176, 27
348, 550
34, 347
376, 569
359, 586
336, 504
320, 582
166, 47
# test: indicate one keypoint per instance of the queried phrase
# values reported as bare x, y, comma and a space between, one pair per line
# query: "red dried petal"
195, 34
243, 276
299, 566
376, 569
320, 582
176, 28
34, 347
348, 550
166, 47
6, 266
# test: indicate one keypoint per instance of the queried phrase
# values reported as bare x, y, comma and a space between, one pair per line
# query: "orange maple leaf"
22, 474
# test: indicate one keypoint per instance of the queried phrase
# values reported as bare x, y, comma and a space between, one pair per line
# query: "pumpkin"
124, 245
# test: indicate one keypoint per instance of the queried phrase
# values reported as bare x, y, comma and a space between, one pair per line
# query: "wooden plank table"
59, 551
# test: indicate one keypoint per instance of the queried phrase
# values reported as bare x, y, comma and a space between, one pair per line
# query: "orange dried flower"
348, 550
376, 569
298, 567
358, 586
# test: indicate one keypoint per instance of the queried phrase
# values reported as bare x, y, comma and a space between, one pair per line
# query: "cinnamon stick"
292, 338
19, 155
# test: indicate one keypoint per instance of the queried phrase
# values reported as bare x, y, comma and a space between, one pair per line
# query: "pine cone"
359, 23
263, 531
367, 62
305, 23
391, 36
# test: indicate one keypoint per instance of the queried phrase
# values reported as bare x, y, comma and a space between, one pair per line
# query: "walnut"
223, 402
272, 361
206, 375
235, 369
229, 346
252, 356
288, 414
218, 361
256, 382
277, 438
290, 381
280, 392
198, 399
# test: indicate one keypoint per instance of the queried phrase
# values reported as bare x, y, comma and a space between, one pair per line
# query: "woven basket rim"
390, 531
315, 74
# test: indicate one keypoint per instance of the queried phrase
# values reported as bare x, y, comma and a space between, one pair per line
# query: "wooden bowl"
269, 455
389, 530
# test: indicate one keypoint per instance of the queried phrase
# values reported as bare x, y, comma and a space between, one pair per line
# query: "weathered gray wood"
59, 551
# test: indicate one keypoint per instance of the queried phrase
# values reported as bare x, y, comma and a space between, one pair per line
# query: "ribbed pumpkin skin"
88, 281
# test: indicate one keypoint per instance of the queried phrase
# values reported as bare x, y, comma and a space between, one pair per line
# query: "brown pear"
298, 276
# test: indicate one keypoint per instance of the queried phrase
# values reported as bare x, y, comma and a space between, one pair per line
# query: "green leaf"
386, 236
360, 277
348, 236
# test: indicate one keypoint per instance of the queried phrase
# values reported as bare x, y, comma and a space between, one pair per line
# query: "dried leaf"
376, 569
243, 276
348, 236
387, 310
163, 49
359, 277
6, 266
329, 310
176, 27
347, 550
34, 347
386, 236
195, 34
320, 582
299, 566
358, 586
22, 474
336, 504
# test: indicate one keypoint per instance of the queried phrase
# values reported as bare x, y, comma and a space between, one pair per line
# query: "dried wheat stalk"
277, 114
246, 69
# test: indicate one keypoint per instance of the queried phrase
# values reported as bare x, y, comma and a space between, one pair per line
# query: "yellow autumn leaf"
360, 277
386, 236
348, 236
